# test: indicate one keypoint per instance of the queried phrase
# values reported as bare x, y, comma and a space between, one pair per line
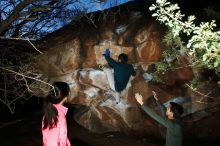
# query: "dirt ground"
24, 129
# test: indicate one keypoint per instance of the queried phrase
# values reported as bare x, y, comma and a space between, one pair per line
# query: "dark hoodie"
122, 73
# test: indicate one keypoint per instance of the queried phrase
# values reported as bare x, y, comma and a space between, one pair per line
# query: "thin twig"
34, 47
17, 73
9, 123
11, 38
11, 104
200, 93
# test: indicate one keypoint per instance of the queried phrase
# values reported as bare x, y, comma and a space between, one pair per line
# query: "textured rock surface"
73, 53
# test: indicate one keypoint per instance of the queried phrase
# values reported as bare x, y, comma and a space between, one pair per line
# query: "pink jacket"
57, 136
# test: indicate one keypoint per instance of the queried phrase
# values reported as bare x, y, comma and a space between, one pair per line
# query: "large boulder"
75, 59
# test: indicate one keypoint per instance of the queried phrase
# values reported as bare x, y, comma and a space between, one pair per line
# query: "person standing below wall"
122, 73
172, 122
54, 127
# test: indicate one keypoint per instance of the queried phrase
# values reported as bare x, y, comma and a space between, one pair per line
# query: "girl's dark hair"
177, 109
123, 58
56, 95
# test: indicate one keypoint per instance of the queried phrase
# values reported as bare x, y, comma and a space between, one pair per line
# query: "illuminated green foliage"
203, 44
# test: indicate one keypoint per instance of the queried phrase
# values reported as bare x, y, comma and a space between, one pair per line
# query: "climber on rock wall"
121, 73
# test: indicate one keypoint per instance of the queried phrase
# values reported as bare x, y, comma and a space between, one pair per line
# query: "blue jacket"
122, 73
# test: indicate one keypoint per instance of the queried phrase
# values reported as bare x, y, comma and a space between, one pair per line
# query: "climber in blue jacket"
122, 73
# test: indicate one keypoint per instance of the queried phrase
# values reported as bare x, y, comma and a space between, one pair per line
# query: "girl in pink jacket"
54, 128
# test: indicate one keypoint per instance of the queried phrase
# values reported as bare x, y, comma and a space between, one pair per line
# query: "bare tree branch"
24, 76
25, 40
14, 15
9, 123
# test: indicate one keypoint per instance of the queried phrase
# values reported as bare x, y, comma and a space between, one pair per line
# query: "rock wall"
74, 53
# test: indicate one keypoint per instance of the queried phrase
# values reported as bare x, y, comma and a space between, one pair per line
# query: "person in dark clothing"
122, 73
172, 122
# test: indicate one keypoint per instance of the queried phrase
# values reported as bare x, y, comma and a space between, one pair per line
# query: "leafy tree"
203, 43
